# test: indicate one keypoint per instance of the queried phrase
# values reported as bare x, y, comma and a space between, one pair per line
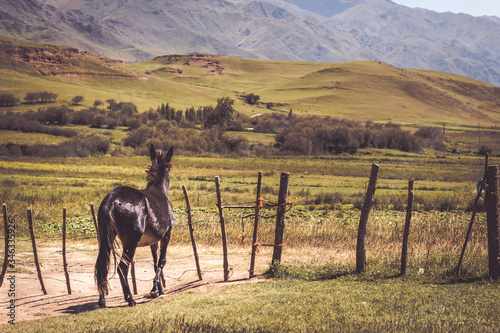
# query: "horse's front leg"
154, 252
157, 286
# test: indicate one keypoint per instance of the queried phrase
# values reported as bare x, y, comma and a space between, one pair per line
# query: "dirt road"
180, 275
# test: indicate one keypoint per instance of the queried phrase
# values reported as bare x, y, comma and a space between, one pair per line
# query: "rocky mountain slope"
137, 30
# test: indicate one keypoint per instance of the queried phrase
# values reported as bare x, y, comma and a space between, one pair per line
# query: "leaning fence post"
363, 221
223, 230
258, 207
65, 264
6, 254
406, 233
35, 254
493, 221
280, 219
191, 232
481, 184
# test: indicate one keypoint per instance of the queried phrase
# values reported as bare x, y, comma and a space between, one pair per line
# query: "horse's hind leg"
127, 257
157, 286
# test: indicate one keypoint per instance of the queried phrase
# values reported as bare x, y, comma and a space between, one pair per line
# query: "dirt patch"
180, 275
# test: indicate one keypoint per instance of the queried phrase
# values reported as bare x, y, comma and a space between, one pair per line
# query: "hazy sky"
472, 7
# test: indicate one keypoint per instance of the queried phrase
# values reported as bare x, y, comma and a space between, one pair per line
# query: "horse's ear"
169, 155
152, 152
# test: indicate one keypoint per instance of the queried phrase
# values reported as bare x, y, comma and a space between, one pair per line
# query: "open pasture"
318, 261
327, 183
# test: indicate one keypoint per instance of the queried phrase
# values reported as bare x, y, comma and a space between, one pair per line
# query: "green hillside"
360, 90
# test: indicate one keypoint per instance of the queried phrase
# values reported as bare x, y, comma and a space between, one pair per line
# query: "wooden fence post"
65, 263
35, 254
493, 221
473, 216
6, 254
363, 221
406, 233
95, 223
223, 230
280, 218
258, 207
191, 232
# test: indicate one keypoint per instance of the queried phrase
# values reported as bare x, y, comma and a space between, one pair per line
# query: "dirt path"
180, 275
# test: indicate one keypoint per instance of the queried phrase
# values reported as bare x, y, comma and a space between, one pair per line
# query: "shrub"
484, 150
269, 122
432, 137
8, 100
252, 99
28, 123
54, 115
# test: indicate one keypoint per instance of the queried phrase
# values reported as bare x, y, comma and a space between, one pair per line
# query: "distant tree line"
200, 131
40, 97
204, 130
210, 129
222, 115
319, 136
8, 99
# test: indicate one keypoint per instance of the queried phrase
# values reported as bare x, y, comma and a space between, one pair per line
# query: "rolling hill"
295, 30
362, 89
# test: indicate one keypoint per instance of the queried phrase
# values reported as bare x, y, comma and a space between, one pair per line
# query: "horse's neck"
160, 187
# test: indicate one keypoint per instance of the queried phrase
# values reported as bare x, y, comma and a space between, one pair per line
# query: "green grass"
347, 303
20, 138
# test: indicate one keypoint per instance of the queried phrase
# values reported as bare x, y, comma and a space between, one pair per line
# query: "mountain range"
299, 30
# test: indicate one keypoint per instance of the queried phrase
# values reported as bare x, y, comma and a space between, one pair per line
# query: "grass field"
315, 289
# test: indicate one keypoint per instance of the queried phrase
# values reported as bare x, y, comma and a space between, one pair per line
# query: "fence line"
283, 207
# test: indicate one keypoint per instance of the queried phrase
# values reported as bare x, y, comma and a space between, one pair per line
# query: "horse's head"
160, 165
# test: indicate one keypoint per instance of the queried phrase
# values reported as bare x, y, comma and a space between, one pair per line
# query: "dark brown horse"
138, 218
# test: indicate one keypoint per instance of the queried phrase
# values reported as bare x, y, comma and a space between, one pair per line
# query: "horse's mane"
156, 171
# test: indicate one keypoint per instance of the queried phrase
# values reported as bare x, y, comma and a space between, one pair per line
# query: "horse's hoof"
154, 294
102, 302
131, 303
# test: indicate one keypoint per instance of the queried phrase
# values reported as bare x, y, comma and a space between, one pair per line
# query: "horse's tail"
107, 234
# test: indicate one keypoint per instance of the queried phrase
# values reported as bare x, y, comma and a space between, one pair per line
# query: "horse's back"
126, 209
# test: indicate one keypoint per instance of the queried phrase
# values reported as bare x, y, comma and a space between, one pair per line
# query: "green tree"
76, 100
112, 104
97, 103
222, 115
